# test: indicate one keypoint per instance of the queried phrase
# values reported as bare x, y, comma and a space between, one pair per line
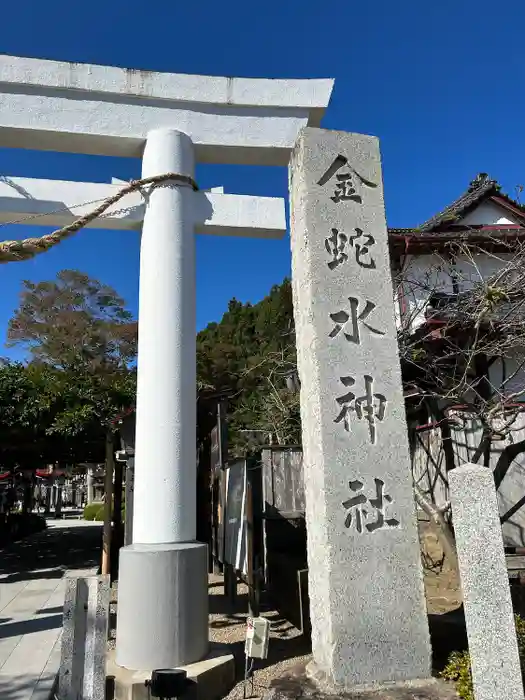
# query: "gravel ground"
228, 626
287, 647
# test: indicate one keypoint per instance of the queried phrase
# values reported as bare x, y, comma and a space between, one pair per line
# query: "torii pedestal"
172, 120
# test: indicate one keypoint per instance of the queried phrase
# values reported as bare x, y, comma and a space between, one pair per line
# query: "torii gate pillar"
165, 556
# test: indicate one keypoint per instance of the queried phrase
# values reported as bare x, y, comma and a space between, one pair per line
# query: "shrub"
458, 671
520, 634
458, 666
99, 515
91, 511
95, 511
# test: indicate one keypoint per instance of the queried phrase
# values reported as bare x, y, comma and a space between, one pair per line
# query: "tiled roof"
481, 187
447, 226
460, 232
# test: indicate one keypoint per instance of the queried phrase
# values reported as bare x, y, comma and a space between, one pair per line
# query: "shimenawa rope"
13, 251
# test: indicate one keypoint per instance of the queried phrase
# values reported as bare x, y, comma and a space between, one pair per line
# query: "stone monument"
493, 648
367, 603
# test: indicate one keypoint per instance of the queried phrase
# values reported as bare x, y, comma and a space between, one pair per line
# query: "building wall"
507, 375
425, 274
489, 214
421, 275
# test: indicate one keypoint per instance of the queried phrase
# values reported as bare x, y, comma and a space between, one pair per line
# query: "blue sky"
441, 85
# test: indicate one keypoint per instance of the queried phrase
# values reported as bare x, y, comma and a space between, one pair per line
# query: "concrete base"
162, 612
213, 677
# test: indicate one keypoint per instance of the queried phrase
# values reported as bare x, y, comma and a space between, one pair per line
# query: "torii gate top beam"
53, 105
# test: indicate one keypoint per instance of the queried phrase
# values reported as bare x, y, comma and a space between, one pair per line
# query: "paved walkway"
32, 586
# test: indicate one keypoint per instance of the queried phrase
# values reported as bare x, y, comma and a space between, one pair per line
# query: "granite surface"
84, 638
365, 580
298, 685
484, 581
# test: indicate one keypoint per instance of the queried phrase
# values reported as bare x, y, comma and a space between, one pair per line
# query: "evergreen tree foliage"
252, 351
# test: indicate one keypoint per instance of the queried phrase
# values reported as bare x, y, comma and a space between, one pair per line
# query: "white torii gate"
170, 120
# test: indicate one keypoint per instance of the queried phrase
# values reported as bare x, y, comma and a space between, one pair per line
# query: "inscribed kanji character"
354, 506
358, 514
341, 318
371, 406
344, 189
346, 402
362, 242
367, 405
378, 504
335, 245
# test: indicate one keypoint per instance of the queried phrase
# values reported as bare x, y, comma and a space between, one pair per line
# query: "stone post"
84, 638
47, 507
58, 500
366, 592
90, 480
163, 577
491, 631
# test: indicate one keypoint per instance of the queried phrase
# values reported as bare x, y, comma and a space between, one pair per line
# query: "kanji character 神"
370, 406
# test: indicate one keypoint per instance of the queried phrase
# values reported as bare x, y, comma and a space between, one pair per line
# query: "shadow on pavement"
15, 688
49, 553
31, 575
48, 611
16, 629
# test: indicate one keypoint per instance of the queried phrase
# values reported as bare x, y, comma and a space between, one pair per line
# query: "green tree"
86, 402
30, 415
74, 320
82, 340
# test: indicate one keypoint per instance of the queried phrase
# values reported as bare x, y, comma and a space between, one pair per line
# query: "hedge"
94, 511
